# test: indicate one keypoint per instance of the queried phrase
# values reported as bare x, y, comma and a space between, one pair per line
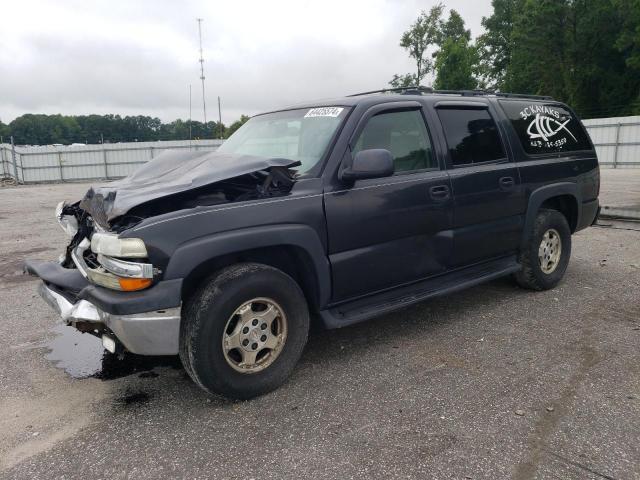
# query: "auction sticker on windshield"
324, 112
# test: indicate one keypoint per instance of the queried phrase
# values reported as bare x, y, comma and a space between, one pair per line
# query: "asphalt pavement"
494, 382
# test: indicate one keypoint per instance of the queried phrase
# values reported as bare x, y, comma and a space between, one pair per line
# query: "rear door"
390, 231
489, 202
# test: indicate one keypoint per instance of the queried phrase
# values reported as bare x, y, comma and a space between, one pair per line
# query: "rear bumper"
145, 322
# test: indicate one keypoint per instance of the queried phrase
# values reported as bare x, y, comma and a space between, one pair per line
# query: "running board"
388, 301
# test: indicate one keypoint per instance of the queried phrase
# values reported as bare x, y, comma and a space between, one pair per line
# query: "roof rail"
420, 90
415, 90
464, 93
519, 95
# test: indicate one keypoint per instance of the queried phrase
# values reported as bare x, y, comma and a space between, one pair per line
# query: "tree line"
38, 129
583, 52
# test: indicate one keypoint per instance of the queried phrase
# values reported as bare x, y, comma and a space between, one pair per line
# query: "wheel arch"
295, 249
564, 197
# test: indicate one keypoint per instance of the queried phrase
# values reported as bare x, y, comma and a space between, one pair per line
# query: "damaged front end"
106, 284
177, 180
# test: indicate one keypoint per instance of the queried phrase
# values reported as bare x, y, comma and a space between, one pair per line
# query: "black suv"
339, 210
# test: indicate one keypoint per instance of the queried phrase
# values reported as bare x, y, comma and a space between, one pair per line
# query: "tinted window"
545, 127
404, 134
472, 135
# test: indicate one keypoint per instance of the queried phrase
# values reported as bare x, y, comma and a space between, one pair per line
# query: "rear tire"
546, 252
244, 330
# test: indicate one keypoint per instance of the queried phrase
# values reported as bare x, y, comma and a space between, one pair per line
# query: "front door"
390, 231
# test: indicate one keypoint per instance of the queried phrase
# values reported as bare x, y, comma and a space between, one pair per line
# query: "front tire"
244, 330
546, 253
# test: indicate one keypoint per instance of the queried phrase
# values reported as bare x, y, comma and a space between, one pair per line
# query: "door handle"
439, 193
507, 183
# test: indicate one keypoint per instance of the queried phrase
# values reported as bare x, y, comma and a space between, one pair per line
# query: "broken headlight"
110, 245
115, 273
126, 269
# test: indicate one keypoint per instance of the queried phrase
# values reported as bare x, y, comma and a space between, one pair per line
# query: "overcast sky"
139, 57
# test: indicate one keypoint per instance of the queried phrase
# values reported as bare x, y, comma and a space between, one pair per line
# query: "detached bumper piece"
145, 323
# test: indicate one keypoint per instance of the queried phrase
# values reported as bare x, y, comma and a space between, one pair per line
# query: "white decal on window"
542, 127
324, 112
547, 123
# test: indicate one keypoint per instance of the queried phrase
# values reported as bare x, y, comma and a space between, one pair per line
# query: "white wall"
88, 162
617, 140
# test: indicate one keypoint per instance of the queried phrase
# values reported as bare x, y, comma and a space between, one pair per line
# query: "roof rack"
519, 95
420, 90
415, 90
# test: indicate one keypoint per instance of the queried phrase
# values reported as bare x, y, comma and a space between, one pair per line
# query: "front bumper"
145, 322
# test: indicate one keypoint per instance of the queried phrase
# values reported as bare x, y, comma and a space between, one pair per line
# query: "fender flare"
538, 196
190, 255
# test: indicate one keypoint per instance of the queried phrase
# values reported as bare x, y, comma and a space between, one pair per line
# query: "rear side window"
545, 127
472, 136
404, 134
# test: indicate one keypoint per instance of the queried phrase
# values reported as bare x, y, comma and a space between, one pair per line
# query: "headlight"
109, 280
69, 223
113, 273
110, 245
126, 269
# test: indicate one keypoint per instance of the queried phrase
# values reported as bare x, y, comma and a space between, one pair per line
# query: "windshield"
301, 135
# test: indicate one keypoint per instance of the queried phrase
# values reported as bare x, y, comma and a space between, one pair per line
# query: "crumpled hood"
169, 173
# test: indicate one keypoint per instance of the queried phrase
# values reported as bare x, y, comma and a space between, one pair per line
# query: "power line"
204, 105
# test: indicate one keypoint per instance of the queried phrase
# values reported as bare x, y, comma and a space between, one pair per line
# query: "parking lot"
493, 382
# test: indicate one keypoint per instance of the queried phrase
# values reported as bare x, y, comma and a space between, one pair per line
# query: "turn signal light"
133, 284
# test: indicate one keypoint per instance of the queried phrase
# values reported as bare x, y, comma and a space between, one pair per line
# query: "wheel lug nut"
245, 342
263, 338
263, 326
245, 330
254, 346
255, 322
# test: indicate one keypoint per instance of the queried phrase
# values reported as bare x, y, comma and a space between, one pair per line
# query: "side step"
378, 304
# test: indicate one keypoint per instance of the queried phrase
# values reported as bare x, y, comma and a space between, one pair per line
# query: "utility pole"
220, 120
204, 105
189, 116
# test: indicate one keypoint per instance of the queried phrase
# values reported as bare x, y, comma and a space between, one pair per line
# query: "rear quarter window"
545, 127
472, 136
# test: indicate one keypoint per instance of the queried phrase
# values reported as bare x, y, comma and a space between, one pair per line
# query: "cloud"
74, 57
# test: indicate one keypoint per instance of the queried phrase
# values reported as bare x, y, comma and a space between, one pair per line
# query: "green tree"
30, 129
495, 45
539, 57
579, 51
5, 132
423, 34
236, 125
456, 60
454, 28
628, 42
455, 65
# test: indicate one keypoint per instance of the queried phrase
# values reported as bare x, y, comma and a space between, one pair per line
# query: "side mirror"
373, 163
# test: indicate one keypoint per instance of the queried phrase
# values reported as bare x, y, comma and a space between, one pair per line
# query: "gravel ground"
494, 382
620, 188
